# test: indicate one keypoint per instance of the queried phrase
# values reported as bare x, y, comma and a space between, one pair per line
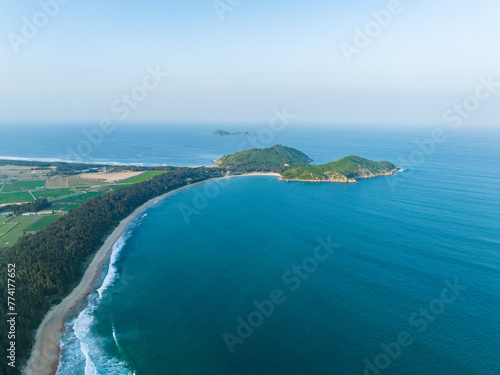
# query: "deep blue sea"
251, 275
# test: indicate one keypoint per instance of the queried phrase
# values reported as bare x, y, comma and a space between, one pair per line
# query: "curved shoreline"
44, 358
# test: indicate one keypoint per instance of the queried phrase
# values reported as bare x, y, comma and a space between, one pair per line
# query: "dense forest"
273, 159
47, 262
342, 170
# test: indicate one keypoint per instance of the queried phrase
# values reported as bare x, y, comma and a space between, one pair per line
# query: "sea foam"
82, 349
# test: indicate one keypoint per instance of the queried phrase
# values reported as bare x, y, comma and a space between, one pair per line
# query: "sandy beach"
44, 358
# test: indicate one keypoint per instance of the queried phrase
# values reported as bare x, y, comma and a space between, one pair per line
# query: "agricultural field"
85, 180
57, 183
42, 223
142, 177
65, 207
22, 197
52, 193
24, 173
23, 186
13, 228
17, 226
19, 185
108, 177
6, 227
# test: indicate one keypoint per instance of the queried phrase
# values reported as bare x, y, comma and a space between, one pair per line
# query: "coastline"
44, 357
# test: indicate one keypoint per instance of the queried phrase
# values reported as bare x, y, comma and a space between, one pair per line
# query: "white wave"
82, 349
113, 273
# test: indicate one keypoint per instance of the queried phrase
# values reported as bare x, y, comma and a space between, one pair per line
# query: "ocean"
252, 275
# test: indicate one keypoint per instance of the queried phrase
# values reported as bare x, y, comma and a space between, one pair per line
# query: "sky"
236, 61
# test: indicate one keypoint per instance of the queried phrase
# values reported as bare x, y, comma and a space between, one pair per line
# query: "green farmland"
142, 177
21, 197
42, 223
52, 193
11, 229
65, 194
23, 186
17, 226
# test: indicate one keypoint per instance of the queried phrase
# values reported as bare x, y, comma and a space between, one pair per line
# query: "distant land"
219, 133
294, 165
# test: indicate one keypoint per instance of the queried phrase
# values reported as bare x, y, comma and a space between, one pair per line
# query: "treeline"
35, 206
50, 260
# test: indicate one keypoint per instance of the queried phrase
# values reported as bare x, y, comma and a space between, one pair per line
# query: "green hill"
347, 169
273, 159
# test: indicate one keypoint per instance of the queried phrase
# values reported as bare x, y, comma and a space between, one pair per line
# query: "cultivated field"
57, 183
109, 177
52, 193
65, 194
142, 177
42, 223
79, 180
23, 197
23, 186
19, 224
11, 229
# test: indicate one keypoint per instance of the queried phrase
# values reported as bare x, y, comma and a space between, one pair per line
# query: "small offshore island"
221, 133
294, 165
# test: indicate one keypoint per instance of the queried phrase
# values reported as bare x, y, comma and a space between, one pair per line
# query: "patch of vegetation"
69, 208
55, 183
142, 177
17, 231
80, 198
75, 181
6, 227
273, 159
21, 197
42, 223
23, 186
52, 193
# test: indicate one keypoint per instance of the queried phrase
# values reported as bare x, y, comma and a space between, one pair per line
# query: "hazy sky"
238, 62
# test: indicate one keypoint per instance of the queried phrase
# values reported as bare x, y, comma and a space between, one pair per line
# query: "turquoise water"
178, 285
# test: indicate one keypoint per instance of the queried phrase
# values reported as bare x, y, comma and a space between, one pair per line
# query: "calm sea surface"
350, 269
